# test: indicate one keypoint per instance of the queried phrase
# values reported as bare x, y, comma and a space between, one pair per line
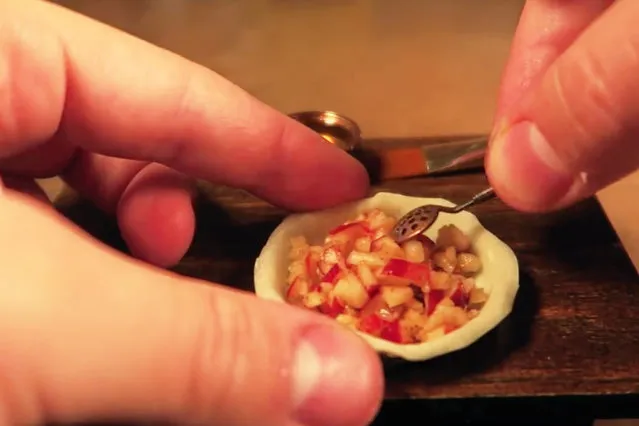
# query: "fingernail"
501, 126
337, 379
524, 167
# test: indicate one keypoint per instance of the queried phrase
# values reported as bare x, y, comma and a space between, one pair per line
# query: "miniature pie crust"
499, 276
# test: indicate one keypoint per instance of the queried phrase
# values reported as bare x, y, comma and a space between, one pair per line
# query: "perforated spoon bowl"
421, 218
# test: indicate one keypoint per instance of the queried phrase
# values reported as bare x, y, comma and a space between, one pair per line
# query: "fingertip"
156, 216
335, 368
312, 174
525, 171
338, 178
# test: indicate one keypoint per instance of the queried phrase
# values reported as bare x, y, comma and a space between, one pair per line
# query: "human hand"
90, 334
567, 120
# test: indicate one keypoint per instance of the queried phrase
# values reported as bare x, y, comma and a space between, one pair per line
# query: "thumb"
577, 131
90, 335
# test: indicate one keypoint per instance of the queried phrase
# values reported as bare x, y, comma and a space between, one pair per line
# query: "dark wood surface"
569, 349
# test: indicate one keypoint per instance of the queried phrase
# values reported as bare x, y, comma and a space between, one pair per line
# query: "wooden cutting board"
569, 350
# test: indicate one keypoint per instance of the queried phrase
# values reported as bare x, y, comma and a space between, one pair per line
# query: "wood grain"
570, 345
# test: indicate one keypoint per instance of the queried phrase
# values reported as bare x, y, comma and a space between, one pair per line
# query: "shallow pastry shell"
499, 276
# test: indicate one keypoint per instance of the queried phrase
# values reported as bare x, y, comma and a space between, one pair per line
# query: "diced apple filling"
409, 293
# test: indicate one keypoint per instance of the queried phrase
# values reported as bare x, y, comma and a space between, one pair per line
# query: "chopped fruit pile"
408, 293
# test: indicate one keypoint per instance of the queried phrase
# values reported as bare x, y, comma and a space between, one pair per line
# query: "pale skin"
90, 334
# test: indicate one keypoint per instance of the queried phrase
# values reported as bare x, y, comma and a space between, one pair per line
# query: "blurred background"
399, 68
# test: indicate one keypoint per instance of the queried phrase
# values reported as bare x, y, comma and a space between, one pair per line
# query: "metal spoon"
421, 218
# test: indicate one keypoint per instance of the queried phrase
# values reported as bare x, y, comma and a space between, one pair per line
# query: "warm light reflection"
332, 139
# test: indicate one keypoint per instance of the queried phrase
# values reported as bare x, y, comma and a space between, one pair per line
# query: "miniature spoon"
421, 218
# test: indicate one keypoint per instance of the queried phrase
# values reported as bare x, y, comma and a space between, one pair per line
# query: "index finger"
113, 94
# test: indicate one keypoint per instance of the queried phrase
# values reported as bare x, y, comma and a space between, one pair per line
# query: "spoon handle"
485, 195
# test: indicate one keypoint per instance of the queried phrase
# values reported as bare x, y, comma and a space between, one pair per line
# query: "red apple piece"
351, 228
449, 328
432, 299
371, 324
392, 331
344, 236
332, 275
400, 272
332, 308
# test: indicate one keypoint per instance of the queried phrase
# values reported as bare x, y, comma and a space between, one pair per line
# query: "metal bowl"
332, 126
